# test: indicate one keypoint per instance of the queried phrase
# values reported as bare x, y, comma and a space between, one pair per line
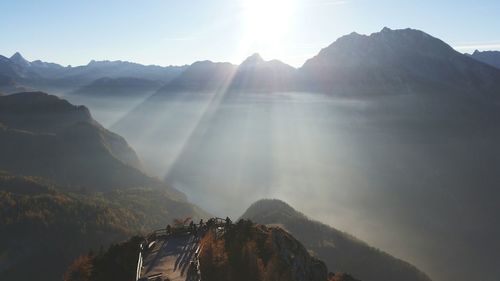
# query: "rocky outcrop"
257, 252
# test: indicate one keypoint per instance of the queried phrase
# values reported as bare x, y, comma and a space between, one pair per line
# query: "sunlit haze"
336, 138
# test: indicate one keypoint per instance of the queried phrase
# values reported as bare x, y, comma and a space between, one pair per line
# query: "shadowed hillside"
70, 186
48, 137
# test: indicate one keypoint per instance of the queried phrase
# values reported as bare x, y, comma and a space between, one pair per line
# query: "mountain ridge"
489, 57
52, 77
20, 60
397, 61
64, 137
386, 62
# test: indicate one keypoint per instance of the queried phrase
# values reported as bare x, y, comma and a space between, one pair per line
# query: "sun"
266, 23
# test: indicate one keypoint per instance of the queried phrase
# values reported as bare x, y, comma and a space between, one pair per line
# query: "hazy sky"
178, 32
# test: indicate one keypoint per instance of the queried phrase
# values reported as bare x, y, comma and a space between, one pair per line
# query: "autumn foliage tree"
250, 252
79, 270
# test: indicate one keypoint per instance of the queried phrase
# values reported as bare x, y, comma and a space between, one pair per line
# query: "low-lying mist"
413, 175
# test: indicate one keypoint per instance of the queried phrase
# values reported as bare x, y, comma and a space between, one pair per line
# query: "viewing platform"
171, 254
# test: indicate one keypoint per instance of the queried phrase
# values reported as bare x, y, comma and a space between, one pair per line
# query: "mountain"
340, 251
119, 87
18, 59
255, 74
402, 61
246, 252
15, 71
46, 136
40, 112
386, 62
397, 61
115, 69
489, 57
202, 76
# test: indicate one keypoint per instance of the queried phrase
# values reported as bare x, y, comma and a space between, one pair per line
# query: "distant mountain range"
253, 74
387, 62
53, 77
340, 251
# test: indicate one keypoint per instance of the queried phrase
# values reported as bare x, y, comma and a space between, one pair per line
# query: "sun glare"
266, 23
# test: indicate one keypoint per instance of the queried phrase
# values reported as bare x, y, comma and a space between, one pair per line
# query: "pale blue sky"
178, 32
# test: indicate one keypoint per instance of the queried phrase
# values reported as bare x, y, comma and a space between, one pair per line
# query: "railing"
218, 225
139, 266
217, 222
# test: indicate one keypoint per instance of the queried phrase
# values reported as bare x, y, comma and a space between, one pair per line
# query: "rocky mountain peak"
18, 59
252, 60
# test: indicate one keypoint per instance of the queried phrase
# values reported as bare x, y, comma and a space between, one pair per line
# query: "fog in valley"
400, 172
